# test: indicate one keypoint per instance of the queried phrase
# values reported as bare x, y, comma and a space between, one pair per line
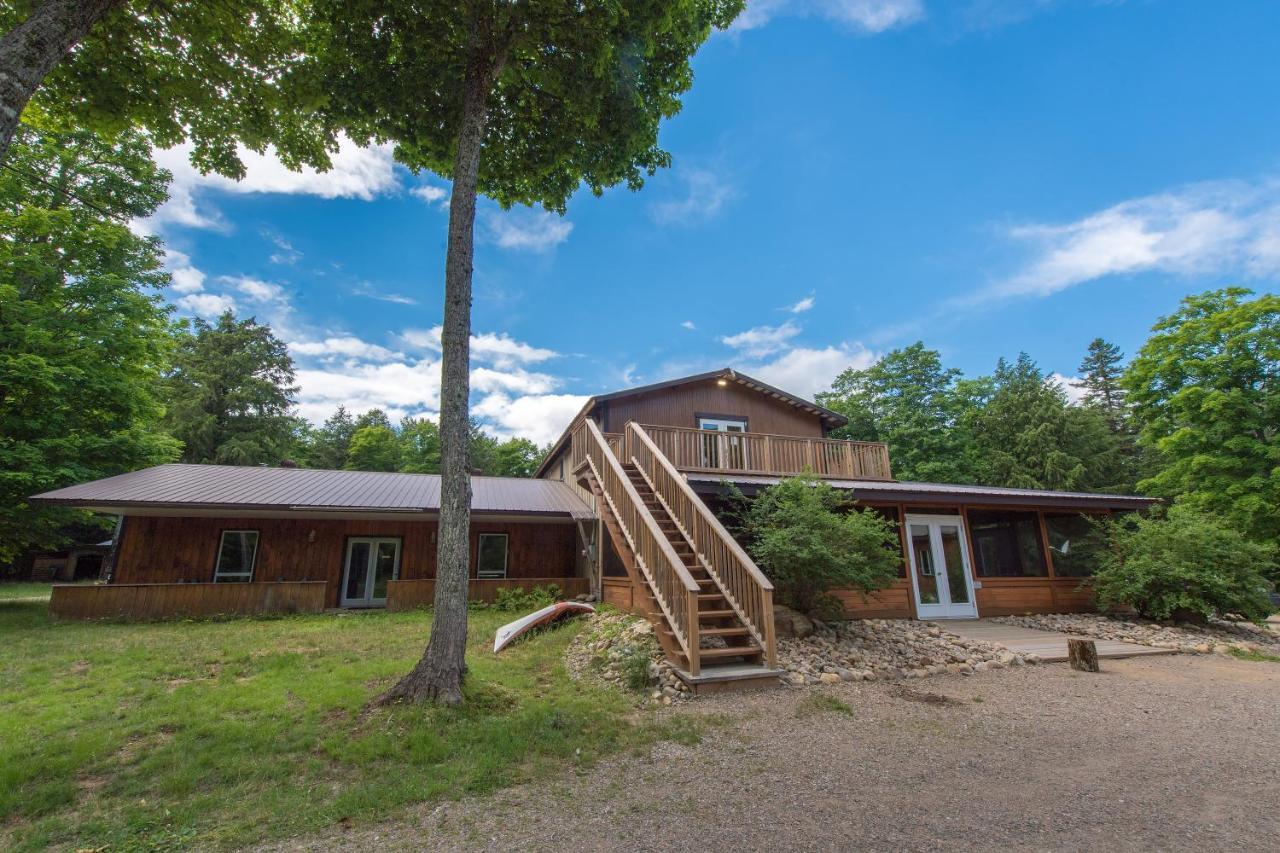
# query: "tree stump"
1083, 655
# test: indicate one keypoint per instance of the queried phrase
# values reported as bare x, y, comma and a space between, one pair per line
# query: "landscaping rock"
603, 650
866, 649
791, 624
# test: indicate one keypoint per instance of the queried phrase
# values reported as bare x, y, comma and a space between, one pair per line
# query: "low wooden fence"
408, 594
143, 601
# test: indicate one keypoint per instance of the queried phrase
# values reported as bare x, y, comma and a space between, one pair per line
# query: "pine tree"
1100, 375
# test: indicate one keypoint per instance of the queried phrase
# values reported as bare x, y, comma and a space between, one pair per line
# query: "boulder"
788, 623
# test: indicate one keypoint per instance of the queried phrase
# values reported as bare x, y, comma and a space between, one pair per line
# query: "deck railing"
762, 453
745, 587
672, 586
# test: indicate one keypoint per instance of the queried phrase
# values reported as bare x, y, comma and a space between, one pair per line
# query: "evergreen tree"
1027, 436
1100, 373
331, 442
83, 331
231, 393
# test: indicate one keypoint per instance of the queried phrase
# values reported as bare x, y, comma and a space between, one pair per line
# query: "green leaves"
231, 392
1186, 565
808, 541
1205, 392
83, 332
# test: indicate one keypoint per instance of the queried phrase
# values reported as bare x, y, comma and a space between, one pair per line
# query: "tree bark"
1083, 655
30, 51
438, 676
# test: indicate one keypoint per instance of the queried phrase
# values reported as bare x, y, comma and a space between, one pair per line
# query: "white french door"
940, 574
370, 563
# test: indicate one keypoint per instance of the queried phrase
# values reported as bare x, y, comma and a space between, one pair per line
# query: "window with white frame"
236, 555
491, 556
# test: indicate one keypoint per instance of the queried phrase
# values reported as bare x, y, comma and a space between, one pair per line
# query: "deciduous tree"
1205, 395
522, 102
211, 72
83, 331
374, 448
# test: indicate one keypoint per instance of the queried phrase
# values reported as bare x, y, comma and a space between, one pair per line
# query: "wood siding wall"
168, 601
681, 405
184, 549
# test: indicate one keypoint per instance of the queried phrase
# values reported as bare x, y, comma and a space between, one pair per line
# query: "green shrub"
527, 600
805, 537
1184, 566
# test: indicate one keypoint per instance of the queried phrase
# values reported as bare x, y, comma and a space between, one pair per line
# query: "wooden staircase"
710, 606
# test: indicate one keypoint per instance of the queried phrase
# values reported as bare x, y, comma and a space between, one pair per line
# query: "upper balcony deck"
763, 453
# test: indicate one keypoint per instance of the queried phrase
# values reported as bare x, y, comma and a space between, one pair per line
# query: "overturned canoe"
508, 633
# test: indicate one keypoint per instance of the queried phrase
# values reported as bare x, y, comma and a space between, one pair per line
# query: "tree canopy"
1205, 395
212, 73
83, 331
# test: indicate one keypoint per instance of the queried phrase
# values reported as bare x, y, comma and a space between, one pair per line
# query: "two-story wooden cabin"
625, 505
657, 460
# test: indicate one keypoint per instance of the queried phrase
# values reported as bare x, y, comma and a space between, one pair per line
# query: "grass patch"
224, 733
12, 590
822, 703
1253, 655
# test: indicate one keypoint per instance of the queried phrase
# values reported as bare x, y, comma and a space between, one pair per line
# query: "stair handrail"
745, 587
673, 587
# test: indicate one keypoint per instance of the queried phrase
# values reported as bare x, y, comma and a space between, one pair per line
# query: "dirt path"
1153, 753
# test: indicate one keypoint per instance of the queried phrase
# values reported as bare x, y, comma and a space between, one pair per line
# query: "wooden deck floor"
1049, 645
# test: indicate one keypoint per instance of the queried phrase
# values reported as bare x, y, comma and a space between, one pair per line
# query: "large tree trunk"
438, 676
30, 50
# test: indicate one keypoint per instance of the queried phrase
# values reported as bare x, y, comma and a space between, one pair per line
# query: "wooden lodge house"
624, 506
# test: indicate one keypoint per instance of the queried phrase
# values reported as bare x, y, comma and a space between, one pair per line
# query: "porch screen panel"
1006, 544
1075, 544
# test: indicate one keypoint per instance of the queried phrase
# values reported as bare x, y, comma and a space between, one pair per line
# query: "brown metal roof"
906, 491
231, 487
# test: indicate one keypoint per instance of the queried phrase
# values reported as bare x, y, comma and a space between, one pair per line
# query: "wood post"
1083, 655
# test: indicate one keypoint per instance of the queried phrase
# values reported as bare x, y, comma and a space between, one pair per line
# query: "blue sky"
988, 176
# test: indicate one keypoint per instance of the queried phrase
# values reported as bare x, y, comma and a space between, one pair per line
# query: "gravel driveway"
1156, 753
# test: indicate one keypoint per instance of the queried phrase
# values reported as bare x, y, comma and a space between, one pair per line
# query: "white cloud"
762, 340
206, 304
1220, 228
1072, 385
498, 348
802, 306
865, 16
525, 229
285, 253
805, 371
487, 380
688, 324
255, 289
345, 346
366, 289
431, 194
185, 277
705, 193
356, 172
538, 417
399, 387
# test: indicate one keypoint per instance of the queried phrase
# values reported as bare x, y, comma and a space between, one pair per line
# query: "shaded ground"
1154, 753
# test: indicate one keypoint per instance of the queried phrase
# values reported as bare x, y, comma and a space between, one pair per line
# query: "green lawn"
24, 589
221, 733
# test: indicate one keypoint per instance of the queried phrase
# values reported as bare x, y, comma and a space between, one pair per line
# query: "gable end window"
491, 556
237, 553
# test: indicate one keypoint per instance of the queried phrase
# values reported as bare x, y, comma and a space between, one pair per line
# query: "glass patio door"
369, 565
940, 573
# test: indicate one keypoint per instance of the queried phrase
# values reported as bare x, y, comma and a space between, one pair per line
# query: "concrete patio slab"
1050, 646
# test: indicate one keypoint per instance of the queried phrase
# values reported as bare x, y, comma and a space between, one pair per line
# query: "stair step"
715, 614
730, 652
735, 631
